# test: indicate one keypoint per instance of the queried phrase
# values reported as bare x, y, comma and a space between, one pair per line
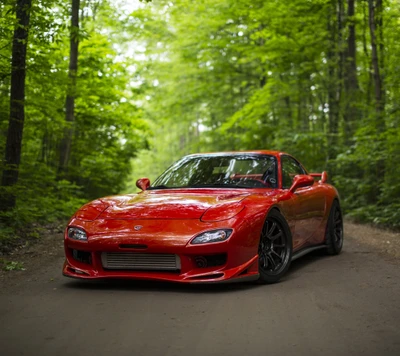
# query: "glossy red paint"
166, 221
301, 181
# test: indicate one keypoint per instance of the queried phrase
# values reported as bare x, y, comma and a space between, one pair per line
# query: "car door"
304, 206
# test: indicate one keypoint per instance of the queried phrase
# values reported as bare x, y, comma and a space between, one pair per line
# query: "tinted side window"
290, 168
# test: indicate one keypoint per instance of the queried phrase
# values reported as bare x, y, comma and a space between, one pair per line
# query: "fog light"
201, 261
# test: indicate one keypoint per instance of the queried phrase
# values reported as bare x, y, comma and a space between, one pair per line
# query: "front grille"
140, 261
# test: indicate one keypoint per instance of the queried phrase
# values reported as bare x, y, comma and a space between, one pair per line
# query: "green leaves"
172, 78
274, 74
109, 128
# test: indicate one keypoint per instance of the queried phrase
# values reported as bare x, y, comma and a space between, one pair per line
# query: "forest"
98, 93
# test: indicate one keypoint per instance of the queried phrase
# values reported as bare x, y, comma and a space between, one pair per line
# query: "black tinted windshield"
220, 171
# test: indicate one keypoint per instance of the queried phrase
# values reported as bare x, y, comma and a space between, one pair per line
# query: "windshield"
220, 171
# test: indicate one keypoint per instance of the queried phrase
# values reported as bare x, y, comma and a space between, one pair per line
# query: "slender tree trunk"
65, 146
333, 86
366, 54
340, 46
379, 102
351, 46
375, 21
263, 81
17, 105
297, 120
351, 112
288, 110
305, 123
379, 28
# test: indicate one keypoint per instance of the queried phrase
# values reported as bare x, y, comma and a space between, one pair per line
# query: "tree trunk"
297, 121
351, 112
379, 28
366, 54
379, 103
340, 46
333, 59
351, 47
375, 21
288, 111
17, 105
65, 146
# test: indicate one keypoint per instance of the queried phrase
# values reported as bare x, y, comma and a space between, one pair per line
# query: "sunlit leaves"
270, 74
109, 128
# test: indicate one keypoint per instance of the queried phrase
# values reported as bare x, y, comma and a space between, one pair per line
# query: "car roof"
263, 152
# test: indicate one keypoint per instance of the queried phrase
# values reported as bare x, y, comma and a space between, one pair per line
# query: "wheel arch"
330, 202
274, 207
278, 209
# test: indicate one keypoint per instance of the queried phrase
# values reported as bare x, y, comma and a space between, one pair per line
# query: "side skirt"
306, 250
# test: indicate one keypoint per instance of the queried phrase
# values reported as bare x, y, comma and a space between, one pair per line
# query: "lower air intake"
140, 261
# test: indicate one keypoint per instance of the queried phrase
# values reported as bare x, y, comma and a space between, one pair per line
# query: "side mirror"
300, 181
143, 183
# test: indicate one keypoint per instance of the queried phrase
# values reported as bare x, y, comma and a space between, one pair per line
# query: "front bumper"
243, 273
240, 250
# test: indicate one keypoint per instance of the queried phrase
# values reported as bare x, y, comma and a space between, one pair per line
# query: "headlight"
77, 234
212, 236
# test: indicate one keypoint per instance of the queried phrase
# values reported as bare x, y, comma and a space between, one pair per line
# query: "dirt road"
344, 305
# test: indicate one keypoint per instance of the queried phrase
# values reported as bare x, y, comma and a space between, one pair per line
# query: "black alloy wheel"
334, 230
275, 248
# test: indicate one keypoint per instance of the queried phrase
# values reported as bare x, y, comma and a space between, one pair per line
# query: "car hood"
171, 204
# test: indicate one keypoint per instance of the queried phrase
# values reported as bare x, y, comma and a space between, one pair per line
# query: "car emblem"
138, 227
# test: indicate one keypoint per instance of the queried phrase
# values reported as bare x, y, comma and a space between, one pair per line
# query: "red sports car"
215, 217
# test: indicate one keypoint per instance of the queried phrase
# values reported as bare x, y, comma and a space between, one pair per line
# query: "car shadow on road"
171, 287
135, 285
304, 262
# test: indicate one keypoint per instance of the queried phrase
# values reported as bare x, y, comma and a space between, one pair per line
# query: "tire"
275, 248
334, 230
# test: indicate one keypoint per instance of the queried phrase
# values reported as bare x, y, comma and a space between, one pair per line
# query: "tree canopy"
157, 80
108, 128
318, 79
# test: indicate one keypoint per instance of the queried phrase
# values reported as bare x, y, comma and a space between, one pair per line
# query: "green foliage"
11, 265
233, 75
162, 79
108, 129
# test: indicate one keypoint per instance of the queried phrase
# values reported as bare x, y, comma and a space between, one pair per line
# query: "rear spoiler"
323, 175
